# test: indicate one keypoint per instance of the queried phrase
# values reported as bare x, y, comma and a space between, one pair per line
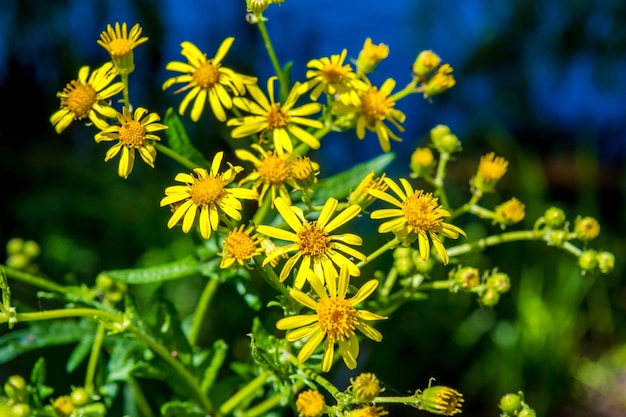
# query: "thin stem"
494, 240
320, 380
92, 365
444, 157
263, 407
436, 285
32, 279
175, 156
284, 87
384, 248
126, 101
201, 308
244, 393
389, 281
411, 399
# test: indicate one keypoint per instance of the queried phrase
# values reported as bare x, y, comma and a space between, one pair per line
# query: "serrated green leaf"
179, 141
166, 272
340, 185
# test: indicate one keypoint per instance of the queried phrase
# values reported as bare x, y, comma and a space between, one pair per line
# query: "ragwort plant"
265, 213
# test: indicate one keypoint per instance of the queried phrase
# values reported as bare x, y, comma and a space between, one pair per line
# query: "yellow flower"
490, 169
511, 211
303, 171
361, 195
335, 319
373, 107
586, 228
313, 243
418, 215
240, 246
441, 81
365, 387
441, 400
368, 411
281, 120
310, 403
332, 76
370, 56
86, 97
425, 63
133, 133
271, 172
207, 80
207, 191
63, 406
120, 44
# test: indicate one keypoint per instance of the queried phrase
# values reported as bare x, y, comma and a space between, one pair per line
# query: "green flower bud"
606, 261
18, 261
31, 249
554, 217
556, 237
587, 260
92, 410
16, 388
80, 397
467, 278
510, 404
21, 410
499, 281
490, 297
14, 246
586, 228
527, 412
104, 283
422, 266
443, 140
441, 400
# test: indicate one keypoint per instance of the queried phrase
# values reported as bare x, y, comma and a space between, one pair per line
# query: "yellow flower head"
240, 246
281, 119
207, 191
422, 162
418, 214
370, 56
368, 411
119, 43
134, 133
365, 387
63, 406
361, 195
373, 107
586, 228
332, 76
510, 212
314, 245
303, 171
441, 81
490, 169
425, 63
310, 403
86, 97
335, 319
207, 80
441, 400
268, 248
271, 172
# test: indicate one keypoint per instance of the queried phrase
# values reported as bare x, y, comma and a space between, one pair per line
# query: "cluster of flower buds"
489, 286
513, 405
408, 261
110, 290
21, 254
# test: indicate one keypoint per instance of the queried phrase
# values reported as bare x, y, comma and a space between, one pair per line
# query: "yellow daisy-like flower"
271, 172
207, 80
240, 246
310, 403
418, 214
86, 97
281, 120
120, 44
361, 195
490, 169
331, 75
207, 191
373, 107
313, 243
133, 134
335, 319
370, 56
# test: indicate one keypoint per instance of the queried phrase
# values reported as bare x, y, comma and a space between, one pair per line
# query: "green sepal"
179, 141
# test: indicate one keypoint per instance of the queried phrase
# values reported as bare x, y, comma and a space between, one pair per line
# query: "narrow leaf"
179, 141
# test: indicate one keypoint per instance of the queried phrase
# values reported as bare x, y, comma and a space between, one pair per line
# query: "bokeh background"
542, 83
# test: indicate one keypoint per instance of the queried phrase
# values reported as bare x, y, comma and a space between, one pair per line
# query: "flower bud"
499, 281
425, 63
63, 406
554, 217
18, 261
511, 211
587, 260
527, 412
361, 195
490, 297
441, 400
21, 410
510, 404
15, 388
466, 278
31, 249
441, 81
606, 261
443, 140
14, 246
80, 397
257, 6
366, 387
370, 56
310, 403
556, 237
586, 228
490, 169
422, 161
303, 172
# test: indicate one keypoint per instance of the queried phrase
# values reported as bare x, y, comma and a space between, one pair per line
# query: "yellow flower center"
80, 99
206, 75
132, 134
333, 73
240, 245
374, 105
366, 386
513, 210
492, 168
369, 411
276, 117
120, 47
207, 191
274, 169
313, 240
310, 403
301, 168
421, 213
337, 318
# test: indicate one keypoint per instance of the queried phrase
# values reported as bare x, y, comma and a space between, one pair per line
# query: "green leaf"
40, 390
181, 409
155, 274
219, 351
80, 352
179, 141
340, 185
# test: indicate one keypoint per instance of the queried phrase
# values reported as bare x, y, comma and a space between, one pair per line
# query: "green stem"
32, 279
125, 91
389, 281
494, 240
120, 324
284, 87
384, 248
436, 285
92, 365
140, 398
175, 156
320, 380
259, 215
244, 393
263, 407
411, 399
444, 157
201, 308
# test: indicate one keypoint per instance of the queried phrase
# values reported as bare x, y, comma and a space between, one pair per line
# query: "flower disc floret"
313, 243
240, 246
310, 403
